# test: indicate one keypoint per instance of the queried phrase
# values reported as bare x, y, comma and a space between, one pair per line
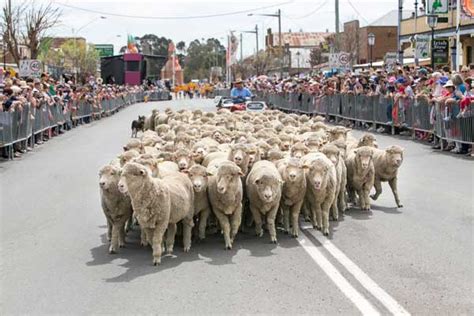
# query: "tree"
26, 24
157, 45
81, 56
201, 56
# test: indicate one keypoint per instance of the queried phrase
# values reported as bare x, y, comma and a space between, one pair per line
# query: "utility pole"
241, 48
256, 38
416, 22
336, 44
458, 30
399, 44
281, 43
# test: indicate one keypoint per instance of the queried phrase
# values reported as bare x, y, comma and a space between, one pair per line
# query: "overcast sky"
314, 15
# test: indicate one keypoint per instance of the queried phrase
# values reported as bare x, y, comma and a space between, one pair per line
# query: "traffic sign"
30, 68
105, 50
340, 60
437, 6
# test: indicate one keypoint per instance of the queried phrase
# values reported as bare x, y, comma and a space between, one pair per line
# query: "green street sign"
105, 50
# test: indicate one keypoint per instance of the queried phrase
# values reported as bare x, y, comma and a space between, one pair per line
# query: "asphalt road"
54, 260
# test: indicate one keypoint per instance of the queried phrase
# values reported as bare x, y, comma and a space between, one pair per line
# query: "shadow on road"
211, 251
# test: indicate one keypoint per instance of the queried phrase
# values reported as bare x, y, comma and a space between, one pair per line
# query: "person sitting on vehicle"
239, 93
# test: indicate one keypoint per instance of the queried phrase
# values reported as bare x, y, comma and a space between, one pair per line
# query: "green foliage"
201, 56
80, 55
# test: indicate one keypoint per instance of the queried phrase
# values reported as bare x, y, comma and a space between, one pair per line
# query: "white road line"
373, 288
362, 304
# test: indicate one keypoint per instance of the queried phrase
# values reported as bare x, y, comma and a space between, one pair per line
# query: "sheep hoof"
187, 249
274, 241
259, 234
373, 197
294, 235
156, 261
112, 251
326, 233
228, 247
400, 205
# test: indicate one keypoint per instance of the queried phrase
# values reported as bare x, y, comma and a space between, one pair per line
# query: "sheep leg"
225, 226
378, 189
235, 221
360, 198
258, 221
143, 237
157, 239
187, 232
286, 217
271, 217
351, 194
306, 208
121, 240
325, 217
109, 229
203, 222
393, 185
170, 235
334, 210
319, 216
114, 244
295, 213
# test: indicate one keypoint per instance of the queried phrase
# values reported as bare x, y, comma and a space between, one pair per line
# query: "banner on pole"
441, 51
232, 49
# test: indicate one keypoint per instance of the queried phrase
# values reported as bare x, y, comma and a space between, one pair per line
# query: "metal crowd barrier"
24, 126
416, 115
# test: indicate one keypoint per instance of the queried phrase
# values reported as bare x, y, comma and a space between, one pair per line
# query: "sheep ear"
209, 173
125, 148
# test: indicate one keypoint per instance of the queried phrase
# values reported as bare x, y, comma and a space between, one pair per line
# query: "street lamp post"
298, 59
371, 40
256, 40
277, 15
432, 20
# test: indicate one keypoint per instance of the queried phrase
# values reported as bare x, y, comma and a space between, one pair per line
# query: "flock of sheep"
231, 171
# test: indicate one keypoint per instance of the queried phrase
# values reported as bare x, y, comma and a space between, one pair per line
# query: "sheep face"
364, 157
317, 174
198, 176
238, 154
293, 172
198, 154
227, 176
332, 152
267, 188
149, 162
183, 159
109, 177
132, 177
395, 156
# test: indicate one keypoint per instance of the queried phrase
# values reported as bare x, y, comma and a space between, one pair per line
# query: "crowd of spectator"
46, 92
452, 92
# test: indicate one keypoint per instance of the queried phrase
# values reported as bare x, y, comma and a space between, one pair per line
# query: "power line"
357, 12
310, 13
173, 17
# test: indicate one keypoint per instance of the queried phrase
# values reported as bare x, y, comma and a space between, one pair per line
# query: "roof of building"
301, 38
390, 18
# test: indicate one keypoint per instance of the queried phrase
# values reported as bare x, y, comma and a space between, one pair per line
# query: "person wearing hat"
239, 93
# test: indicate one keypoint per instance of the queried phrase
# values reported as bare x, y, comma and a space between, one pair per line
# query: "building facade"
444, 30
